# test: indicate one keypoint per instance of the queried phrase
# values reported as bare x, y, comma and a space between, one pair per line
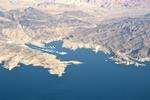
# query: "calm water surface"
95, 79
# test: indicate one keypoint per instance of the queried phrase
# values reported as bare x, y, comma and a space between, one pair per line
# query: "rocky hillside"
122, 33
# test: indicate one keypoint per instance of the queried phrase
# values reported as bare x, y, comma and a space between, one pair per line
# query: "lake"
98, 78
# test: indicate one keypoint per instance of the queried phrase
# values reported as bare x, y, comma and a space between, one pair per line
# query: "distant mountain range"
97, 2
15, 4
104, 3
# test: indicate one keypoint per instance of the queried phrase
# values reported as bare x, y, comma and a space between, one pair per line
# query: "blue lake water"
95, 79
